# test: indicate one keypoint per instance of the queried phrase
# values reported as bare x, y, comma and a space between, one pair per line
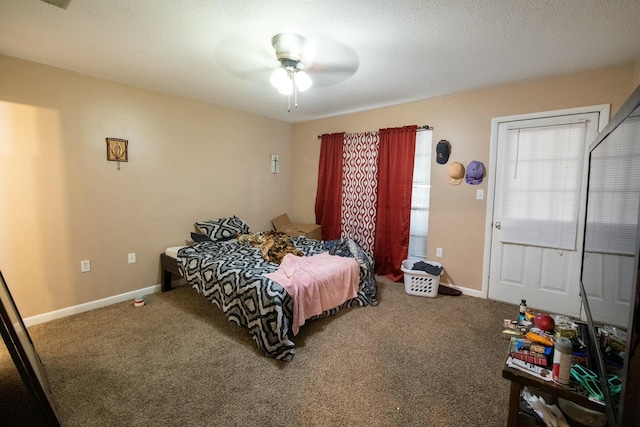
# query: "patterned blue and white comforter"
231, 275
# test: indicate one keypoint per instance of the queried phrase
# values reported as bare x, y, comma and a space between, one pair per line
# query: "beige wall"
63, 202
457, 219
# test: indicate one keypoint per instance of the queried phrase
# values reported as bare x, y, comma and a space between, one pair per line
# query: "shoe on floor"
446, 290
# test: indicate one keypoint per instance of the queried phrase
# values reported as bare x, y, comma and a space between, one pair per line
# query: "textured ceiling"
370, 53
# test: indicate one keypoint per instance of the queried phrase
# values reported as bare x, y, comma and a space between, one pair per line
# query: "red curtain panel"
329, 195
395, 177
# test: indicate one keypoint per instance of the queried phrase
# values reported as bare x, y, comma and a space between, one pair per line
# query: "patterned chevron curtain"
374, 213
359, 188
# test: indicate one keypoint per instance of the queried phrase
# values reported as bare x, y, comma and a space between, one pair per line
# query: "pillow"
200, 237
223, 228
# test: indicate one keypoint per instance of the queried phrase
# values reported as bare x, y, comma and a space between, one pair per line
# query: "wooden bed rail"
169, 268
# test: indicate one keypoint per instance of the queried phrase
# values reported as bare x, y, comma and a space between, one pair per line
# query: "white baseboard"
81, 308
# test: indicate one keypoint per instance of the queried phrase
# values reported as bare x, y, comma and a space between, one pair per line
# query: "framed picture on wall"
117, 150
24, 355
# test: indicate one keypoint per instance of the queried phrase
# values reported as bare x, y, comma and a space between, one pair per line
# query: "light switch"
479, 194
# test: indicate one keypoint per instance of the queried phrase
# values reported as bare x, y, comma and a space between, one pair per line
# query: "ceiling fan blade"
327, 75
246, 58
329, 61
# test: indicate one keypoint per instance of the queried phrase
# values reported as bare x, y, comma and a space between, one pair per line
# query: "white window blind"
542, 181
420, 194
614, 192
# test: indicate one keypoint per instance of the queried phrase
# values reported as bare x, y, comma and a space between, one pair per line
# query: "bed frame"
169, 268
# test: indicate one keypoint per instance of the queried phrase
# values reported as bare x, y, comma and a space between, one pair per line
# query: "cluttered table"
520, 379
545, 367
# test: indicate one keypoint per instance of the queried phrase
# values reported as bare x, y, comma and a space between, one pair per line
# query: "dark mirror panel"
609, 271
26, 359
611, 252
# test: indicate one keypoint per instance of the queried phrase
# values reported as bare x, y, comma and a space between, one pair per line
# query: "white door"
538, 211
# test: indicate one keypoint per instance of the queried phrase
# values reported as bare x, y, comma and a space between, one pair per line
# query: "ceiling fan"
293, 63
289, 77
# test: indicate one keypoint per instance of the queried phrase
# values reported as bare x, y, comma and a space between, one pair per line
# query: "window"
421, 191
541, 185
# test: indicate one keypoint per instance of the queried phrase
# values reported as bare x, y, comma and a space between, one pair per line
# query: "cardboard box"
284, 225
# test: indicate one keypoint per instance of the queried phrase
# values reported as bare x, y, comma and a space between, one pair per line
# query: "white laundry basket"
420, 283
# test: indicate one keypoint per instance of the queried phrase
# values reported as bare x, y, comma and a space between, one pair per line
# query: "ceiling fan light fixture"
286, 87
279, 77
302, 79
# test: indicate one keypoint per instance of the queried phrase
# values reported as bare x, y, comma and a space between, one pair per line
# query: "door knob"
498, 225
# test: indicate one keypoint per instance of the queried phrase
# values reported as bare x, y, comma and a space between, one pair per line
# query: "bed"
231, 273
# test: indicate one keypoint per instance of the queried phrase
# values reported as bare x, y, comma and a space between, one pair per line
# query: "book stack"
522, 348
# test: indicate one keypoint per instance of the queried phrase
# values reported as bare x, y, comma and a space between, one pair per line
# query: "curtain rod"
420, 128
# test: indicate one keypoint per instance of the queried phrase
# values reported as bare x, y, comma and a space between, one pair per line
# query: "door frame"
604, 111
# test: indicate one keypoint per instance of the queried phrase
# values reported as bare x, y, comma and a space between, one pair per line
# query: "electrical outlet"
439, 252
85, 266
132, 258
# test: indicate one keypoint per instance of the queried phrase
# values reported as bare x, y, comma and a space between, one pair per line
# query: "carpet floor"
410, 361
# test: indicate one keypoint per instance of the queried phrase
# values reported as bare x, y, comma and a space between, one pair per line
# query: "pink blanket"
316, 283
